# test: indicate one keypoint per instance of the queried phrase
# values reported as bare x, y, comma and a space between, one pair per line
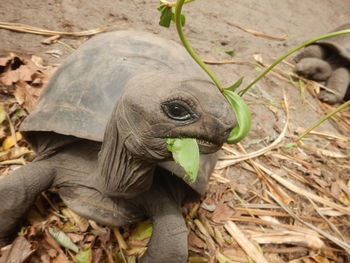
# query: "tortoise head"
153, 107
167, 105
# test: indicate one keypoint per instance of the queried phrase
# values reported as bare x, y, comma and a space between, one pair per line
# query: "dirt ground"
209, 29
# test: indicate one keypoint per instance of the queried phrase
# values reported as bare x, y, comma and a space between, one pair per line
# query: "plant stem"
179, 4
325, 117
337, 33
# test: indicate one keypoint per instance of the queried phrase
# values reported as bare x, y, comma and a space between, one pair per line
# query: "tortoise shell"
83, 91
339, 44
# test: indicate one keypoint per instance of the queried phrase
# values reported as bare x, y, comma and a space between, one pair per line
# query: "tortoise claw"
328, 97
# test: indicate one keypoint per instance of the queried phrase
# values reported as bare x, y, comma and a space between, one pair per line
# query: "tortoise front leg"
90, 203
312, 51
339, 81
169, 238
18, 191
314, 68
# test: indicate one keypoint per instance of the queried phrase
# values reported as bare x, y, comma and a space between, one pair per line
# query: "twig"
335, 240
330, 224
40, 31
121, 242
12, 129
244, 243
253, 32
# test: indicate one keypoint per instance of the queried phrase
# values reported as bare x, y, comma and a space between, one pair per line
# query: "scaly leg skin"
339, 81
313, 68
91, 204
169, 238
18, 191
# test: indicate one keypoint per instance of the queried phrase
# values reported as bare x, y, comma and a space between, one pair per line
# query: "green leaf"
84, 256
63, 239
186, 153
258, 69
243, 116
230, 52
235, 85
290, 145
166, 15
182, 19
142, 231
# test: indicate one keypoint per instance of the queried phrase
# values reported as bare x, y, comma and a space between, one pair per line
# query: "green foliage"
290, 145
186, 153
230, 52
279, 60
235, 85
84, 256
63, 239
243, 116
142, 231
167, 15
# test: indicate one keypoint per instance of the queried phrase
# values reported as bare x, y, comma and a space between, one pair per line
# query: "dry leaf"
195, 241
9, 141
81, 222
5, 60
10, 77
332, 154
19, 251
288, 237
50, 40
26, 95
222, 213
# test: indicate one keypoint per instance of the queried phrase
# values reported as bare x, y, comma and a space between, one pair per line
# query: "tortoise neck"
122, 173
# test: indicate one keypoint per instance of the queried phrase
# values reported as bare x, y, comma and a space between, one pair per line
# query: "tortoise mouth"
206, 146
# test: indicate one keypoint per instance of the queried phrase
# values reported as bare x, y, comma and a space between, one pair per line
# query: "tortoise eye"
178, 110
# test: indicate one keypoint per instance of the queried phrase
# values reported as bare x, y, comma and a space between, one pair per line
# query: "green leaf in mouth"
185, 153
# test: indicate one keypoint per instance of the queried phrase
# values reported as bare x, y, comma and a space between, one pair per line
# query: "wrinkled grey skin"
328, 61
99, 131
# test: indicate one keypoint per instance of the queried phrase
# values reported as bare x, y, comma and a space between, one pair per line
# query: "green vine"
337, 33
178, 8
325, 117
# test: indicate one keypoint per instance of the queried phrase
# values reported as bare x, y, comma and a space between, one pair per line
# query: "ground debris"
23, 78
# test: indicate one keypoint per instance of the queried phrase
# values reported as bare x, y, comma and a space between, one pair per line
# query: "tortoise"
99, 130
328, 60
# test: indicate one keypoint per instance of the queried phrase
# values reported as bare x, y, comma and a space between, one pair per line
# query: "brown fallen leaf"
5, 60
20, 250
26, 95
195, 241
222, 212
9, 77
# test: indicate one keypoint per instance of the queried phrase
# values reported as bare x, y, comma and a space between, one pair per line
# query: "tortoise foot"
328, 97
